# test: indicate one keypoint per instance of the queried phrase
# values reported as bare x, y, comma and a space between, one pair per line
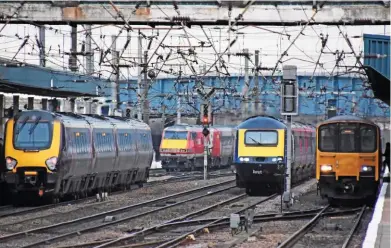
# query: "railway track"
306, 236
181, 221
9, 210
44, 234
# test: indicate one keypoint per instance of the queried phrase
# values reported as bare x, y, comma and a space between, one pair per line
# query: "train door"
347, 156
199, 144
216, 146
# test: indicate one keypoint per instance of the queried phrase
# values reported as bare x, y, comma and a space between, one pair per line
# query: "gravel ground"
81, 210
271, 232
361, 230
329, 232
150, 219
304, 199
69, 212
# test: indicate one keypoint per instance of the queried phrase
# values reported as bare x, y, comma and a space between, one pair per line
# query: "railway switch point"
109, 218
234, 223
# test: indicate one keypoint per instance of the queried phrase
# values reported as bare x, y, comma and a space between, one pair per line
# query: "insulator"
181, 19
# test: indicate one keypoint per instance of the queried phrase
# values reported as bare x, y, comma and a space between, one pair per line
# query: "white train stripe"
371, 235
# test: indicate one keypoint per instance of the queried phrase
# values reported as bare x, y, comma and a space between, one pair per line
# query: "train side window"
367, 138
328, 138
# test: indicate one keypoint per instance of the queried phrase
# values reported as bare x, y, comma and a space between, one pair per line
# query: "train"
182, 147
348, 159
260, 155
61, 154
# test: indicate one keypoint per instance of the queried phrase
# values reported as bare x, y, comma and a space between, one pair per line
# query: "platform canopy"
201, 12
18, 77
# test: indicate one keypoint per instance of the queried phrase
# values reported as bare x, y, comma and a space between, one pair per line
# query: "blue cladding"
39, 77
316, 95
378, 44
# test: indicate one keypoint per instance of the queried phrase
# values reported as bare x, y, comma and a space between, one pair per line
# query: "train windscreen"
32, 135
261, 138
328, 138
175, 135
347, 137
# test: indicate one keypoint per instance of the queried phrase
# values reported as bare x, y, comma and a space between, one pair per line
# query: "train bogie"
67, 154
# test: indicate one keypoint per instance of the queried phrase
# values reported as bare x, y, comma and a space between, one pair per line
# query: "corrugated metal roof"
378, 44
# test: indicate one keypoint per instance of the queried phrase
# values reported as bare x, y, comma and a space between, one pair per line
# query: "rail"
88, 229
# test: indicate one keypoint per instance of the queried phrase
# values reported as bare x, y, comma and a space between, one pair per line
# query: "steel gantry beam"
153, 13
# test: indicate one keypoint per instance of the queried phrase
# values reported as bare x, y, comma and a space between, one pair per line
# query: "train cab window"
347, 137
328, 138
367, 138
193, 136
30, 135
261, 138
178, 135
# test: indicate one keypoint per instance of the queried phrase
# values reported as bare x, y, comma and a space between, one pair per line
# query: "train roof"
183, 127
270, 122
346, 118
84, 120
262, 122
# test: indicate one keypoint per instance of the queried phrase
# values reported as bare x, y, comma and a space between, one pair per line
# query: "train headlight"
51, 163
10, 163
326, 168
366, 168
244, 159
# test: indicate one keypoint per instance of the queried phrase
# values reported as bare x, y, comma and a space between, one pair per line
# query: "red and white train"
182, 147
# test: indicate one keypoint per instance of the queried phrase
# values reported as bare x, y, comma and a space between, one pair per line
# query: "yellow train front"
261, 152
348, 160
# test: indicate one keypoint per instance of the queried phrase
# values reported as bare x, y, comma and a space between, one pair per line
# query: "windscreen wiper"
258, 143
34, 125
23, 124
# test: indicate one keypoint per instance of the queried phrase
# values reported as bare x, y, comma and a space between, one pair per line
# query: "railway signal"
128, 113
289, 107
205, 122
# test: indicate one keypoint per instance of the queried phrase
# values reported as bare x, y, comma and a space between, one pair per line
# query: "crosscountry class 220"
65, 154
260, 155
348, 160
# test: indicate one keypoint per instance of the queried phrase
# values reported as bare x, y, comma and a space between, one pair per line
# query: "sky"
272, 42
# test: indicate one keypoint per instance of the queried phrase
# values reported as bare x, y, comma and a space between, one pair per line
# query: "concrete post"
16, 104
30, 103
89, 54
115, 73
44, 104
42, 59
72, 104
256, 82
2, 115
146, 89
73, 57
139, 98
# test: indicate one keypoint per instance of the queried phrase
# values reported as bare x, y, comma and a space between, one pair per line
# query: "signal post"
206, 118
289, 107
205, 122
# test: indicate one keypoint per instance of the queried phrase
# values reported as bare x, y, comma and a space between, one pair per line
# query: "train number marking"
257, 172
